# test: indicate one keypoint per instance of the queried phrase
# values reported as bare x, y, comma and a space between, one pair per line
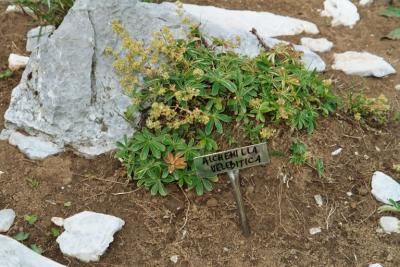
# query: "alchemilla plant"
188, 95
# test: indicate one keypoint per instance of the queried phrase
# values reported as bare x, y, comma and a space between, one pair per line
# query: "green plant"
396, 168
300, 155
55, 232
393, 207
33, 183
21, 236
368, 109
48, 11
190, 93
38, 249
31, 219
5, 74
67, 204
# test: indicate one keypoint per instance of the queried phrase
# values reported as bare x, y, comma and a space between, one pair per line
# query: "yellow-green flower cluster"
267, 133
187, 94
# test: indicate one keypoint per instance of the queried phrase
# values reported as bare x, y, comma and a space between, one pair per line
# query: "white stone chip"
390, 224
337, 151
16, 62
34, 147
320, 45
318, 199
315, 230
88, 234
385, 187
362, 64
375, 265
15, 254
58, 221
397, 87
174, 259
7, 217
365, 2
20, 9
343, 12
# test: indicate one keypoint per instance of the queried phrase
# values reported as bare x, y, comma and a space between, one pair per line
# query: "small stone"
390, 224
343, 12
16, 62
349, 194
174, 259
397, 87
366, 2
318, 199
320, 45
315, 230
385, 188
362, 64
377, 149
88, 234
212, 202
15, 254
7, 217
337, 152
225, 249
375, 265
58, 221
20, 9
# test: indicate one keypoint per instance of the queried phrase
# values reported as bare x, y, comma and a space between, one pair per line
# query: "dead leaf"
177, 162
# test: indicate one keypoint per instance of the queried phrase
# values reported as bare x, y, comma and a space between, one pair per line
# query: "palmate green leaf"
38, 249
5, 74
391, 11
21, 236
394, 35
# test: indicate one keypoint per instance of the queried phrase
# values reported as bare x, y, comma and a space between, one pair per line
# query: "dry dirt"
204, 231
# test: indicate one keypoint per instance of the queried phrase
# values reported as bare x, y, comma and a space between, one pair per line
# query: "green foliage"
393, 207
55, 232
300, 155
31, 219
319, 167
21, 236
368, 109
48, 11
189, 96
394, 35
33, 183
67, 204
38, 249
5, 74
391, 11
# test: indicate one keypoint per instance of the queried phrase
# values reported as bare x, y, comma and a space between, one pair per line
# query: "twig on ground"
260, 39
125, 193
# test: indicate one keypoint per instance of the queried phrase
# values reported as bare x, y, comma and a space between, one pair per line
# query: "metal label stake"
230, 162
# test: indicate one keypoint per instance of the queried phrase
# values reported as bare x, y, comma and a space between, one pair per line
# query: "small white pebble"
319, 200
58, 221
397, 87
349, 194
62, 187
174, 259
315, 230
375, 265
356, 153
366, 157
226, 249
337, 152
377, 149
16, 62
1, 172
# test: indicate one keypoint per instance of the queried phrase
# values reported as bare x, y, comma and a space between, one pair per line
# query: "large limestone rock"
15, 254
69, 95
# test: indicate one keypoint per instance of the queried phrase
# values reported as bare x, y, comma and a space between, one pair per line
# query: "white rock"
337, 152
174, 259
5, 135
318, 199
16, 62
88, 234
315, 230
34, 147
397, 87
15, 254
7, 217
58, 221
365, 2
343, 12
375, 265
19, 9
362, 64
320, 45
38, 36
349, 194
390, 224
384, 188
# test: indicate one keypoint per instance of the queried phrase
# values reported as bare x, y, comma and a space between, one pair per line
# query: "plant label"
230, 160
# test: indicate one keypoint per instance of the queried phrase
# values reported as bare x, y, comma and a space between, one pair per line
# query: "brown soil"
204, 231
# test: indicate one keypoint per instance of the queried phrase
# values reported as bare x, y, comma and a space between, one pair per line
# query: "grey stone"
15, 254
385, 188
33, 147
7, 217
38, 36
390, 224
69, 94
